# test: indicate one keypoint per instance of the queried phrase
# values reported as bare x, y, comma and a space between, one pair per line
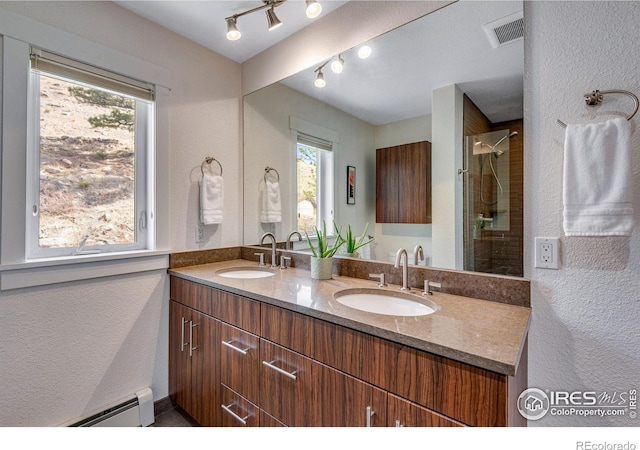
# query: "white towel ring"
208, 160
595, 98
269, 169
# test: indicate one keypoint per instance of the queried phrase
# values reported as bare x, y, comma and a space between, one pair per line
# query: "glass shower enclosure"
487, 201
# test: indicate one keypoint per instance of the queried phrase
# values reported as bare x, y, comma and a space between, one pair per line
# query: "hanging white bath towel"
597, 179
211, 199
271, 208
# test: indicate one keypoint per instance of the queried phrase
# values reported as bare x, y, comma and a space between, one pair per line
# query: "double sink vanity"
265, 346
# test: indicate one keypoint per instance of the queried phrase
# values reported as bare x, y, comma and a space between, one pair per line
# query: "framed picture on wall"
351, 185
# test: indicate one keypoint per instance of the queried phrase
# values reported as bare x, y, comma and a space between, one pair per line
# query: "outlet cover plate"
547, 253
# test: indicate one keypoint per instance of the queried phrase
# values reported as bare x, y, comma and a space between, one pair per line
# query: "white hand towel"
597, 179
271, 211
211, 199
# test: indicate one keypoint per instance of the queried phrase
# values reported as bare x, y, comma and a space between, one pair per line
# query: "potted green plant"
323, 251
352, 243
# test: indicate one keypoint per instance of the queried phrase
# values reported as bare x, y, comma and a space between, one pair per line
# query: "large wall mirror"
453, 78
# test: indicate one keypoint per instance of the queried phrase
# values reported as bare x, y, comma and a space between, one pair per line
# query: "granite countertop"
482, 333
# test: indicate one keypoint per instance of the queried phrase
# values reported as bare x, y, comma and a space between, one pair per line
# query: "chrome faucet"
289, 244
418, 255
274, 257
402, 252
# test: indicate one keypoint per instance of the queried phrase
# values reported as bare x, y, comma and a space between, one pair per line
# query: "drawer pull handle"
270, 365
233, 347
234, 415
370, 413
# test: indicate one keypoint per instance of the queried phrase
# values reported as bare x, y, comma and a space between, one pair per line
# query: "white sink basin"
245, 272
385, 302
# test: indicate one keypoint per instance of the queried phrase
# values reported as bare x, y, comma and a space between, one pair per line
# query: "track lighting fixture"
364, 52
272, 19
233, 34
313, 10
337, 65
320, 80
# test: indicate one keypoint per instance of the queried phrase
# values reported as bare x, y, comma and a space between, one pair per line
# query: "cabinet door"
403, 183
240, 361
402, 413
193, 364
238, 411
205, 374
386, 186
179, 382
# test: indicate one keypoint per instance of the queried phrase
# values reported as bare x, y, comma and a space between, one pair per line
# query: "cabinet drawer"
286, 385
402, 413
237, 411
240, 361
191, 294
238, 311
288, 328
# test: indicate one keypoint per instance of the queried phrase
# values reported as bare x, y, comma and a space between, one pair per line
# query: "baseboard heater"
135, 411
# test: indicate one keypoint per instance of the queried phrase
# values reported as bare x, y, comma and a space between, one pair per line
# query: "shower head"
501, 152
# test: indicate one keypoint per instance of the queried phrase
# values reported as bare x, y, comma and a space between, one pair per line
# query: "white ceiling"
443, 48
446, 47
203, 22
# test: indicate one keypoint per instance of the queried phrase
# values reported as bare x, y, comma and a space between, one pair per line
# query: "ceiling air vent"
507, 29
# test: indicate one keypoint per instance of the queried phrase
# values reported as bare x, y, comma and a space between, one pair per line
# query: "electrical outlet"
199, 234
547, 253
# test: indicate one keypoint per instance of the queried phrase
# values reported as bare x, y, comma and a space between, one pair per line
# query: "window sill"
82, 267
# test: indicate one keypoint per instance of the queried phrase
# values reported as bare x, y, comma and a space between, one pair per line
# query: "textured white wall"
68, 349
584, 332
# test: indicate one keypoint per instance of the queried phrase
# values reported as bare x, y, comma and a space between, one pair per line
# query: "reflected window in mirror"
314, 182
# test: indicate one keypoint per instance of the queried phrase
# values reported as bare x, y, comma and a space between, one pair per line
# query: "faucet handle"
379, 276
261, 255
283, 261
428, 285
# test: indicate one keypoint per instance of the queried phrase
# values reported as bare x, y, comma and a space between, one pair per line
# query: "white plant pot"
321, 268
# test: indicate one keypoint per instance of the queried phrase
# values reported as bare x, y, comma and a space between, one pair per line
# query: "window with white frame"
314, 175
90, 156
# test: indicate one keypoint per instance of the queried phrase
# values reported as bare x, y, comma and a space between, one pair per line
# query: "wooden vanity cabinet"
271, 366
403, 183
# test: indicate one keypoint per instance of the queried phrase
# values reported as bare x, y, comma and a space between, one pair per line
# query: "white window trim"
296, 126
18, 33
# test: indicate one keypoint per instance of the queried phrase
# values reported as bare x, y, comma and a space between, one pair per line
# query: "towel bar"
595, 98
208, 160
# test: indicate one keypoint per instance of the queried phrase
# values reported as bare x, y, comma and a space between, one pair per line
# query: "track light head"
313, 9
233, 34
320, 80
272, 19
337, 65
364, 52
